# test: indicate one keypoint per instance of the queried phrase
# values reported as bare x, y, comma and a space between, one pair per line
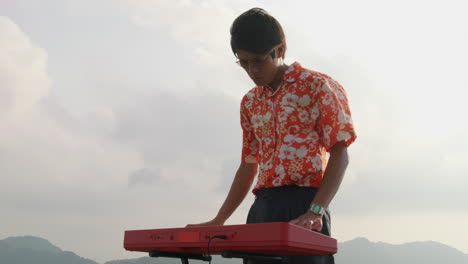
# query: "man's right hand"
245, 176
214, 222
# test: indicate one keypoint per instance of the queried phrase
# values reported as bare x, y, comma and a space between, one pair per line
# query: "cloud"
143, 176
201, 25
407, 156
53, 164
57, 165
23, 71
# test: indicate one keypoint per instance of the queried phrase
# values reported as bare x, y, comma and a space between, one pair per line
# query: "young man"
292, 120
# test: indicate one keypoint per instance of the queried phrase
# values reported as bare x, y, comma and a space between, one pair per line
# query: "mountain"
29, 250
363, 251
35, 250
31, 242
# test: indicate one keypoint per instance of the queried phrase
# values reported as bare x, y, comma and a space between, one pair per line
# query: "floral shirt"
289, 131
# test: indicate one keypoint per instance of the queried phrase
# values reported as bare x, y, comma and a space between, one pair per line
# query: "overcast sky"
120, 115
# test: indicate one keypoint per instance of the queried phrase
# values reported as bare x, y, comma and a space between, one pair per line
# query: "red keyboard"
280, 239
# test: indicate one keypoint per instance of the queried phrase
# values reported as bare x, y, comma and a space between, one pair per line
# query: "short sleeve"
335, 123
249, 142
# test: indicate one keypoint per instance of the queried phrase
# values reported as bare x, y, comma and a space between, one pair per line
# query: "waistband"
285, 189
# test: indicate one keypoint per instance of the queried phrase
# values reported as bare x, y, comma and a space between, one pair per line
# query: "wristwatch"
317, 209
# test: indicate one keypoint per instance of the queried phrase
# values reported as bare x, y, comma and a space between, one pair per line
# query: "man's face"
261, 68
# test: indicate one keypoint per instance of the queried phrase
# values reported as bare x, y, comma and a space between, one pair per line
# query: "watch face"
316, 209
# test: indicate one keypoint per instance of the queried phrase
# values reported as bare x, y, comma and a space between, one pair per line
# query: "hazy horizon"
411, 252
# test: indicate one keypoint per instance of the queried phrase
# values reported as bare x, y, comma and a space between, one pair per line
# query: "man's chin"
260, 83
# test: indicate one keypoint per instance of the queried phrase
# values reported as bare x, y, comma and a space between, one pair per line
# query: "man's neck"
278, 77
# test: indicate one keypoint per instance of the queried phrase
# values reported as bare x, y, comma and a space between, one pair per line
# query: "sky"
123, 115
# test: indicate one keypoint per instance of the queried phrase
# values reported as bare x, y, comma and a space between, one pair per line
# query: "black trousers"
283, 204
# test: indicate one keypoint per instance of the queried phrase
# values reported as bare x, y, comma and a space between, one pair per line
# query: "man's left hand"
309, 221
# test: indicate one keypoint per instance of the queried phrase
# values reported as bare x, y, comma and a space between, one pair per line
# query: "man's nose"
253, 68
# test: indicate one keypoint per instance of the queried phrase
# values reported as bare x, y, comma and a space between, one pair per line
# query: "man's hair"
256, 31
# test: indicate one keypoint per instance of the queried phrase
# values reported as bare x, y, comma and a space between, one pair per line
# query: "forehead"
247, 55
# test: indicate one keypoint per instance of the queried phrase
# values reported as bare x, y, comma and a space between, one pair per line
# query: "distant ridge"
31, 242
361, 250
36, 250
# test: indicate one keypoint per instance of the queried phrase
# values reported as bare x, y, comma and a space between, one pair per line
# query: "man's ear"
280, 52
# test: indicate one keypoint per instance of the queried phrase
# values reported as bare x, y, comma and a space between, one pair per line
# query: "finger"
317, 226
310, 224
300, 222
295, 221
305, 224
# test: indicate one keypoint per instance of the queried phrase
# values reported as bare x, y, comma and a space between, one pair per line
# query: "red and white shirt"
289, 131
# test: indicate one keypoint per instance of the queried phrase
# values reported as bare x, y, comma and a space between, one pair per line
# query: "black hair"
256, 31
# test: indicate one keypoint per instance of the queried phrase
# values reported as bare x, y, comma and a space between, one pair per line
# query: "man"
292, 121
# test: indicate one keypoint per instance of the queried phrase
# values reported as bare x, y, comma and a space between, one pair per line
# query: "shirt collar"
290, 73
289, 76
